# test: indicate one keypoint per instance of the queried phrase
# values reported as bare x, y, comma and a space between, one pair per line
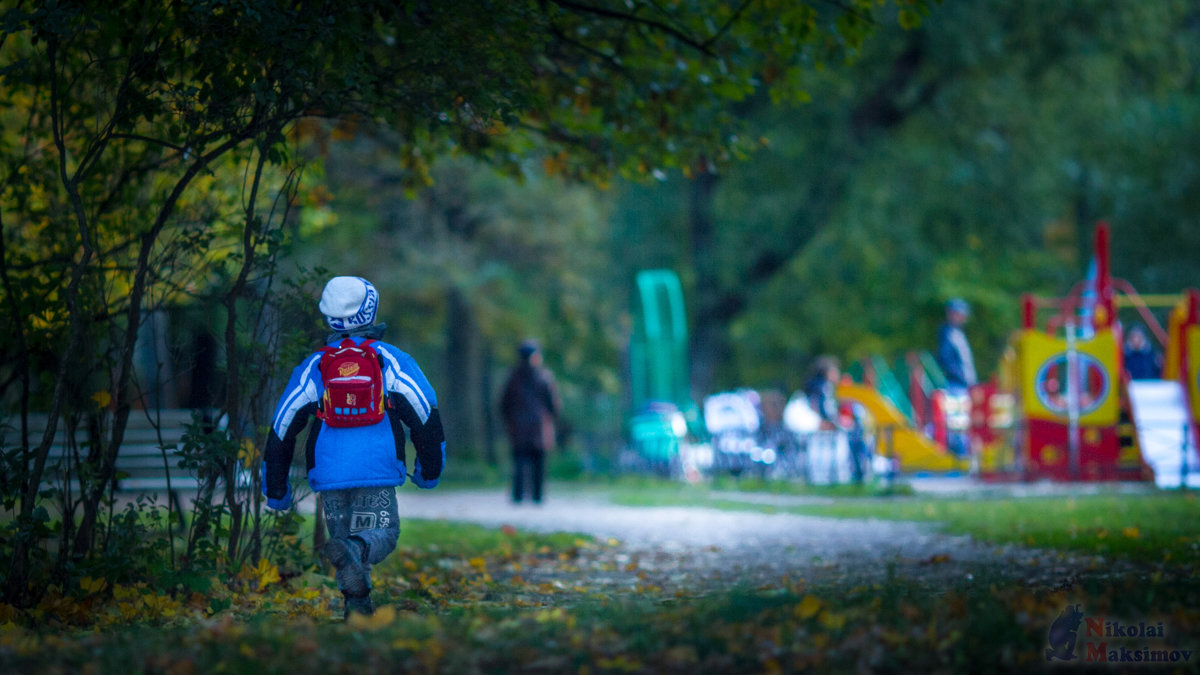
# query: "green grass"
635, 490
1162, 527
465, 540
471, 471
993, 623
455, 602
1158, 527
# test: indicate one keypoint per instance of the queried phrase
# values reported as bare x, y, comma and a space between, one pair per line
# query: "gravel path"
752, 546
681, 528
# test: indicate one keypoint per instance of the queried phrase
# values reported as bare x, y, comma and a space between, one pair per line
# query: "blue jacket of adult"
954, 356
338, 458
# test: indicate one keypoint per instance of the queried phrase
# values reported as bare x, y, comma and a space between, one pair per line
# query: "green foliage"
145, 190
969, 157
472, 265
146, 167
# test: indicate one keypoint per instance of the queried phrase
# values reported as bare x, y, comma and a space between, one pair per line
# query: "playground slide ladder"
890, 387
1164, 431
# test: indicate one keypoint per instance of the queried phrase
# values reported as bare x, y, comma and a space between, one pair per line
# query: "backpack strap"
328, 351
382, 368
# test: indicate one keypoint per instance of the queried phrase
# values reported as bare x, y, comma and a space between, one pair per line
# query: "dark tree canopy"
151, 156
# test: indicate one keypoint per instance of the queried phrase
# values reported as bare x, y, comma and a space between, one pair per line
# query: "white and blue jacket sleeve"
368, 456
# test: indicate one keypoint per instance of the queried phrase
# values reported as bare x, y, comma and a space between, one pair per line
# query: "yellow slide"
915, 451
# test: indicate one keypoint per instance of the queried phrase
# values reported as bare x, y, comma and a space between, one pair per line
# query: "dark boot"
358, 604
349, 558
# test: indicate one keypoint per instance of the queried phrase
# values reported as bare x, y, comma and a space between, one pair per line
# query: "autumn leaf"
92, 586
382, 618
832, 621
808, 607
102, 398
160, 605
264, 573
247, 452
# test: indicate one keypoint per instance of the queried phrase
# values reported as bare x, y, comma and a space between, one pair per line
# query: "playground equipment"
1080, 417
897, 437
912, 422
659, 370
1062, 407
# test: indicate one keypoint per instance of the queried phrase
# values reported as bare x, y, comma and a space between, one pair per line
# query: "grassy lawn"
1152, 528
463, 598
1157, 527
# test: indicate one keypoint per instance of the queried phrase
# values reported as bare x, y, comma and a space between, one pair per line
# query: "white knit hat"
349, 303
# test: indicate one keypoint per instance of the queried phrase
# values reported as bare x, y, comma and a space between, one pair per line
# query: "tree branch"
686, 39
152, 141
728, 23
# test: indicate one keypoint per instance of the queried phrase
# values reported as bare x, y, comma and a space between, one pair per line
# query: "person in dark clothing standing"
529, 407
953, 350
958, 365
820, 389
1142, 362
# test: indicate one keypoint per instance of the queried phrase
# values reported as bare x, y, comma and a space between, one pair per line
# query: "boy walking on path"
361, 393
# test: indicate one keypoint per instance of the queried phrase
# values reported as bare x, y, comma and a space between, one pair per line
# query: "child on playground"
363, 392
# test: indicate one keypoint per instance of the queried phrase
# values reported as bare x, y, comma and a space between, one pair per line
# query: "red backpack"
354, 392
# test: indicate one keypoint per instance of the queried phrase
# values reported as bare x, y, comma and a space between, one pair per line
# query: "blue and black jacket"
369, 456
954, 356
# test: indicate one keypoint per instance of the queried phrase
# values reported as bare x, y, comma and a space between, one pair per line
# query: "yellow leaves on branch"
247, 453
102, 398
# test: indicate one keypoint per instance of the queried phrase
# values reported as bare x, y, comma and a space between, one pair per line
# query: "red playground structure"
1078, 414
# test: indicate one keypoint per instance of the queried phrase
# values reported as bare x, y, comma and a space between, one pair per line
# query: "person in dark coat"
958, 365
529, 407
820, 389
1141, 360
953, 350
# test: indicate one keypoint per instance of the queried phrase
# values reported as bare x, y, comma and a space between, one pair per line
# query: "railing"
146, 455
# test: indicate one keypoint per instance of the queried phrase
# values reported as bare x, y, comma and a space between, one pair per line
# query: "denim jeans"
371, 514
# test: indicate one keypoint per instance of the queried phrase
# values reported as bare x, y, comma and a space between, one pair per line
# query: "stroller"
732, 420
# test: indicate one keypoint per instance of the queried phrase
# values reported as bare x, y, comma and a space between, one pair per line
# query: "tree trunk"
488, 408
18, 572
709, 345
462, 428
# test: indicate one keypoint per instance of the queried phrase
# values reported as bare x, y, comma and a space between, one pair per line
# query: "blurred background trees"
968, 157
158, 160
